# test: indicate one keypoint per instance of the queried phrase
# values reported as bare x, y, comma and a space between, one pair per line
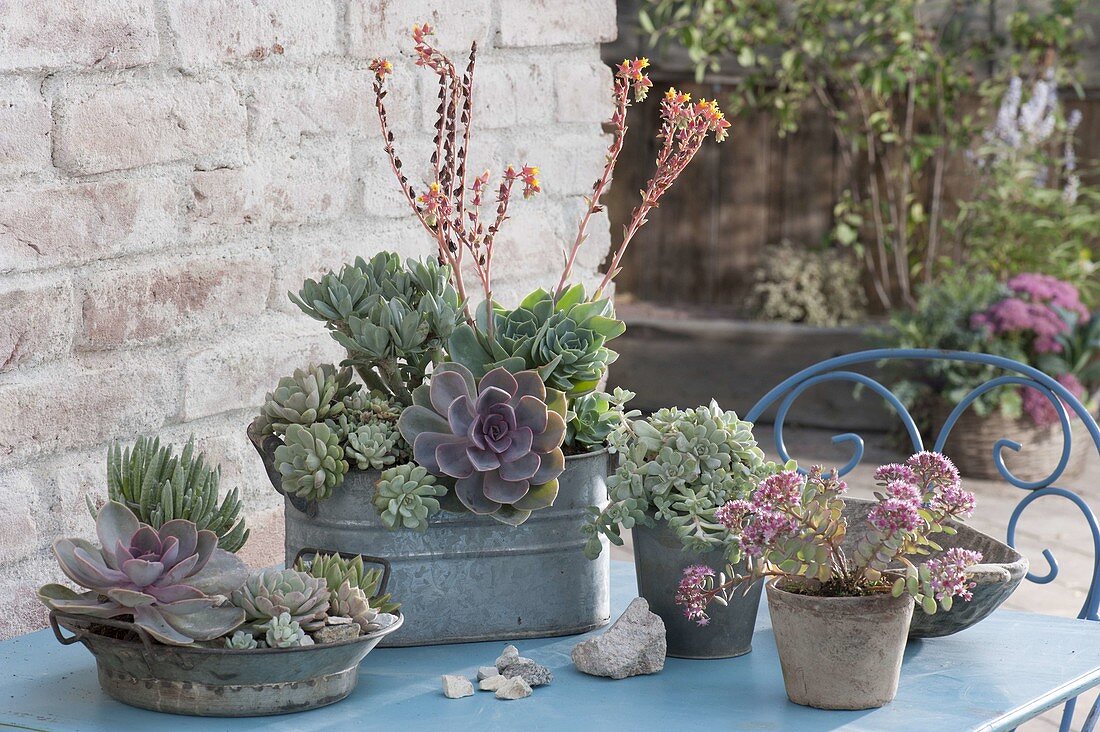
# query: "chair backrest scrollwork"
783, 397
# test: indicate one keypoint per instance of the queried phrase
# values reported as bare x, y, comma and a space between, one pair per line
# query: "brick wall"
170, 168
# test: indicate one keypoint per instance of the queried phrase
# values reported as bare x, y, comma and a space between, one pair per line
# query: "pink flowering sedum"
1038, 407
793, 526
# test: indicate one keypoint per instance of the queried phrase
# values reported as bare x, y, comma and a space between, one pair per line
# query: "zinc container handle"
79, 634
386, 569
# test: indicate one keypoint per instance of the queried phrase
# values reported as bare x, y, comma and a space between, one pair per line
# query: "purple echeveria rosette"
500, 439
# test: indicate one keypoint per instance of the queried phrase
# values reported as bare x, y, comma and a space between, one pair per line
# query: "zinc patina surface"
471, 578
991, 677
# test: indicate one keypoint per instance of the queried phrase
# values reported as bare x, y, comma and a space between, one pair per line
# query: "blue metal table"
1005, 670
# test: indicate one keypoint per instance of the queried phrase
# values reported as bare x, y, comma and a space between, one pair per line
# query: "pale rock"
493, 683
514, 688
533, 673
485, 672
336, 633
456, 687
633, 645
506, 655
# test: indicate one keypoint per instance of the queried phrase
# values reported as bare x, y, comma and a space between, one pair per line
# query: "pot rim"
591, 453
82, 633
877, 598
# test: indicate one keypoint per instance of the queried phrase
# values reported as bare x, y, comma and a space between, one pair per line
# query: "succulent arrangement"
159, 486
680, 467
791, 526
461, 407
176, 585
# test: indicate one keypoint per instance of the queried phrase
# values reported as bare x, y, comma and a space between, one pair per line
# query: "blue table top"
1007, 669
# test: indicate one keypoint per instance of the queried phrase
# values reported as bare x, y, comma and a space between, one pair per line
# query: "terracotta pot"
840, 652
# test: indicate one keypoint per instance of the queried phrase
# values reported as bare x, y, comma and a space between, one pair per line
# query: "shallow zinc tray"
219, 682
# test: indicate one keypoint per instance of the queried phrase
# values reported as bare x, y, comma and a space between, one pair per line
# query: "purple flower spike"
500, 439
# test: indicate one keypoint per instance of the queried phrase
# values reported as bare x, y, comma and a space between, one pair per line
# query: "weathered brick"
65, 406
556, 22
213, 31
133, 305
237, 372
25, 125
569, 164
381, 195
383, 27
312, 184
130, 125
64, 226
37, 323
19, 606
225, 196
583, 92
19, 494
507, 94
41, 34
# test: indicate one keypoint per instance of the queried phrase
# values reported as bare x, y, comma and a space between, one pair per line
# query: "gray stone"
456, 687
514, 688
338, 620
492, 683
485, 672
634, 645
336, 633
505, 657
533, 673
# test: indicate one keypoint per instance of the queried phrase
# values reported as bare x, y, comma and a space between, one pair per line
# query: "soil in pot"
659, 562
840, 652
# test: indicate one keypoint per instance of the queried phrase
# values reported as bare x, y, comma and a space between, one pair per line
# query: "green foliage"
313, 394
158, 487
269, 593
1080, 355
565, 341
893, 77
813, 286
285, 632
371, 446
336, 570
679, 466
311, 461
942, 320
407, 496
594, 416
394, 320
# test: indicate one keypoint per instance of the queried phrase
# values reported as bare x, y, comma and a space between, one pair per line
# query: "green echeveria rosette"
311, 461
336, 570
371, 446
348, 601
564, 341
268, 593
406, 496
310, 395
500, 438
285, 632
172, 580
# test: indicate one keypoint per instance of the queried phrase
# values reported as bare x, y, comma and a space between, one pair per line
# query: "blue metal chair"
784, 395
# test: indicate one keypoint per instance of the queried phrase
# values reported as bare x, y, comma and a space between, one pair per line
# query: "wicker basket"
972, 441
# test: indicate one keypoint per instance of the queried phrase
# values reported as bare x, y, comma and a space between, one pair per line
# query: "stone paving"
1050, 523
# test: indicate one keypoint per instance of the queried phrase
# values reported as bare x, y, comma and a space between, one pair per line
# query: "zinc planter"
467, 577
659, 561
216, 682
840, 652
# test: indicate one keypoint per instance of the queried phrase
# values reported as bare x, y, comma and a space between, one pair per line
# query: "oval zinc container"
467, 577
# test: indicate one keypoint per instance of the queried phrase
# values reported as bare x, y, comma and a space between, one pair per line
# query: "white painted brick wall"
170, 168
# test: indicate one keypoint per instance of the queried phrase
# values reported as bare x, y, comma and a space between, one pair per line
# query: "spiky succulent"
349, 601
593, 417
407, 496
285, 632
565, 340
500, 438
159, 487
679, 466
172, 580
311, 461
270, 592
310, 395
241, 641
393, 319
336, 570
372, 446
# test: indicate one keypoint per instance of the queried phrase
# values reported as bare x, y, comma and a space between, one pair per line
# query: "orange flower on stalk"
531, 184
381, 67
631, 71
420, 32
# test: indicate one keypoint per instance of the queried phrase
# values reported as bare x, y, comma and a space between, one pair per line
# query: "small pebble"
338, 620
456, 687
515, 688
336, 633
535, 674
485, 672
506, 657
492, 683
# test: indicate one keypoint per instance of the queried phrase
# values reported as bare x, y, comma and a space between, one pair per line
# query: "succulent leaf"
311, 461
267, 594
407, 496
